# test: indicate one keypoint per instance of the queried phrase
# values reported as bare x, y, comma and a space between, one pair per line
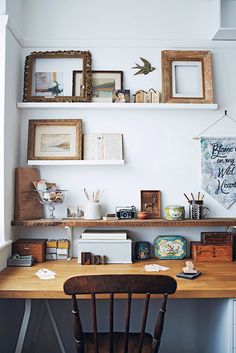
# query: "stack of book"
91, 234
114, 244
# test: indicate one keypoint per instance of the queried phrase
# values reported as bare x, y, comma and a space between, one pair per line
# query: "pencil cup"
92, 210
197, 210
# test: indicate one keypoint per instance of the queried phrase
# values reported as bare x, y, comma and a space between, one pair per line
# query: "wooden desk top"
218, 280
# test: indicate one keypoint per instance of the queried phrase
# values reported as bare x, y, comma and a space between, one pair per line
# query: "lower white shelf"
76, 162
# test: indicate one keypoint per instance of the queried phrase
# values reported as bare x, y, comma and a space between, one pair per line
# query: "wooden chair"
117, 342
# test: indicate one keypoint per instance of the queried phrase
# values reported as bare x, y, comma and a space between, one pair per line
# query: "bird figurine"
145, 68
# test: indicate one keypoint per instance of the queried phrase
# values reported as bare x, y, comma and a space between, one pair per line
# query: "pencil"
186, 197
86, 194
192, 196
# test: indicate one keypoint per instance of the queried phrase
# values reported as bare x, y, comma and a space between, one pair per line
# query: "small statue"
189, 268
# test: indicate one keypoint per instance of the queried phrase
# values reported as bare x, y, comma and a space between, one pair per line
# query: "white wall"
14, 8
153, 19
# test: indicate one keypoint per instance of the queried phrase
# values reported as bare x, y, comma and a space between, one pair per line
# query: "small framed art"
121, 96
55, 139
103, 84
151, 203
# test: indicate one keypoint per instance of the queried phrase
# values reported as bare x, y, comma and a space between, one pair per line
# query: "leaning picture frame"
55, 139
151, 202
186, 76
103, 84
48, 76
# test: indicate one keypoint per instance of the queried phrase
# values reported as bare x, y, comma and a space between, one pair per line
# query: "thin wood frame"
204, 57
114, 73
151, 203
86, 95
32, 131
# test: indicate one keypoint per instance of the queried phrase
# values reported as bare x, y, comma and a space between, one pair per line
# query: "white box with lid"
116, 251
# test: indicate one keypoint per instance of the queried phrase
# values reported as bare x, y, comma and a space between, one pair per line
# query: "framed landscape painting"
55, 139
103, 84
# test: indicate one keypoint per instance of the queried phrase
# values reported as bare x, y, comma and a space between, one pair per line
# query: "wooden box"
220, 238
214, 252
35, 247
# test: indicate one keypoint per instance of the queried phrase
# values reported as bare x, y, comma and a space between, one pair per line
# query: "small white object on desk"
44, 273
189, 267
155, 267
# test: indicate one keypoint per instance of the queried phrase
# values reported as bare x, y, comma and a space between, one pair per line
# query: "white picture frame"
187, 80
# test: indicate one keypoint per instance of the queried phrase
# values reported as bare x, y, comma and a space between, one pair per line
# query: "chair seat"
118, 342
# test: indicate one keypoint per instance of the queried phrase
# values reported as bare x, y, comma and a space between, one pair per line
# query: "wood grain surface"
218, 280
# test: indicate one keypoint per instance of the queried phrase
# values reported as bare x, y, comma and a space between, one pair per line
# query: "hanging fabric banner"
218, 156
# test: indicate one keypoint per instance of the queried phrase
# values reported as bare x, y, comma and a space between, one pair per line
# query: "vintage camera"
125, 212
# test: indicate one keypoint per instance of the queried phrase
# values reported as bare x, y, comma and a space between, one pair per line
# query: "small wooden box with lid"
214, 246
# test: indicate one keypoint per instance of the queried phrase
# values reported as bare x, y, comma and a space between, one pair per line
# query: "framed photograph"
103, 84
55, 139
48, 76
151, 203
186, 76
121, 96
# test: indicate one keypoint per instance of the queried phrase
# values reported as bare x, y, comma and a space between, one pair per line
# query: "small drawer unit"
214, 252
35, 247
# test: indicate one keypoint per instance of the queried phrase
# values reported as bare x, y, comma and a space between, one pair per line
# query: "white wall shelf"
76, 162
113, 106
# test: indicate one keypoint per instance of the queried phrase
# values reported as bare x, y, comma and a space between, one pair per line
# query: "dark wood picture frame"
204, 58
54, 123
85, 56
118, 76
151, 203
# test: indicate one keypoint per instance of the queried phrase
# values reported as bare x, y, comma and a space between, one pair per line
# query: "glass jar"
92, 210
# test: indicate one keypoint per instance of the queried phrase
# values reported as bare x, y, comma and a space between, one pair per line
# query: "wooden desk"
218, 280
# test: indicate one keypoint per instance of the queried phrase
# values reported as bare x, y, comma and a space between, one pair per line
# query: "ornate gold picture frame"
48, 76
186, 76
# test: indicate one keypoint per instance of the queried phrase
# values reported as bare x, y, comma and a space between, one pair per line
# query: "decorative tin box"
35, 247
170, 247
174, 212
214, 252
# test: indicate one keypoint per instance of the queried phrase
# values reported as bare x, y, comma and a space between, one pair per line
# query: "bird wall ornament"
145, 68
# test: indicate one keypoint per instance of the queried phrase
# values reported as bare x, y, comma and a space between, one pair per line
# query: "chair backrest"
146, 284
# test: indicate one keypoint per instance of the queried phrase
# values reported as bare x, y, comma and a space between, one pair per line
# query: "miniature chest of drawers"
212, 252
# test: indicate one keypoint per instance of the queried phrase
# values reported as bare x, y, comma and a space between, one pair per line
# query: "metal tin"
174, 212
142, 250
170, 247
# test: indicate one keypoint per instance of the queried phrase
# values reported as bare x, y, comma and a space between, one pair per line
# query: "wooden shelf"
113, 106
207, 222
76, 162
